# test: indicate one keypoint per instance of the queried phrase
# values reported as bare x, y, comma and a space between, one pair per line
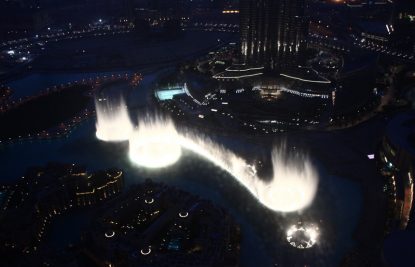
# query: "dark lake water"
336, 209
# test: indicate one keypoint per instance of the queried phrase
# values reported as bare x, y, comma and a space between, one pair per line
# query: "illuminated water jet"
292, 187
155, 144
294, 184
113, 122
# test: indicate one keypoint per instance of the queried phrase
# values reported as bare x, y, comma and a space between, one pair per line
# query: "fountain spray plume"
294, 183
292, 187
155, 143
113, 122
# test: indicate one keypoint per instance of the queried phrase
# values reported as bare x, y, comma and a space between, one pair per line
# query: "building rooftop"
156, 225
240, 71
306, 75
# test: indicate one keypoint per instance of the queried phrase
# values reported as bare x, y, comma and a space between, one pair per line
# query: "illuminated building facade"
404, 11
403, 37
99, 187
397, 163
272, 32
362, 3
154, 225
42, 194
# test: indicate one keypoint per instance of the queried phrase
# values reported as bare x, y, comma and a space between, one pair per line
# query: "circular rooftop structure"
302, 236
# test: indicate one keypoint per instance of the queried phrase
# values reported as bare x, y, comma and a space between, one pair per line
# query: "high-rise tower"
273, 32
402, 28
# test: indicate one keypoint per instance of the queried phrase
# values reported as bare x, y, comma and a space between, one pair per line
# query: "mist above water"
157, 143
113, 122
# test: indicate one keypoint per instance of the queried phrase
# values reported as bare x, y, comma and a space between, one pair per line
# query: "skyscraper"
403, 29
272, 32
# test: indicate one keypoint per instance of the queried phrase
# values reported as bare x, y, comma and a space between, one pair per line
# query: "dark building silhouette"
19, 20
403, 36
273, 32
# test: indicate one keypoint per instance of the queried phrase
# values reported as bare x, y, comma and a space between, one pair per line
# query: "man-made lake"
337, 206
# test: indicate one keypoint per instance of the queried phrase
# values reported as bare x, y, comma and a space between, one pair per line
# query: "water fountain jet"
156, 143
113, 122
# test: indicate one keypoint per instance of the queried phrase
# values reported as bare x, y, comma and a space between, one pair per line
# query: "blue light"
168, 94
174, 244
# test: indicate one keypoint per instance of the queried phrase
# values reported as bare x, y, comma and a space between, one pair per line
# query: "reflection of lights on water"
109, 234
149, 201
183, 214
157, 144
146, 251
302, 236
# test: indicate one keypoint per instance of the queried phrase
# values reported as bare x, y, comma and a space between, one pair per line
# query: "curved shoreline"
80, 117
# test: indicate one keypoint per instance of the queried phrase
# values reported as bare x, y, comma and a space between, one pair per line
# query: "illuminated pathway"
156, 143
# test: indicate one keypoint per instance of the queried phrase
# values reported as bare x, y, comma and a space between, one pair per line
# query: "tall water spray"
292, 187
113, 122
156, 143
294, 183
